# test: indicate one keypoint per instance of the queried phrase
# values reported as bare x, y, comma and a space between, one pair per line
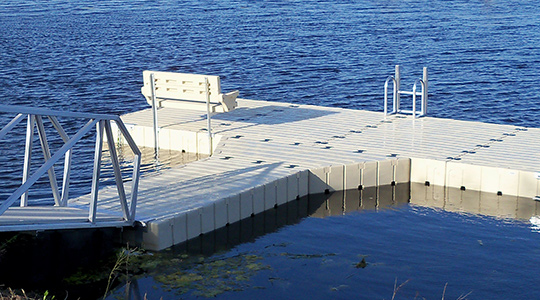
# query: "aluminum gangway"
62, 215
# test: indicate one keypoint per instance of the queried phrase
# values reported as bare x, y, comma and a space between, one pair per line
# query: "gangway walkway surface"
267, 153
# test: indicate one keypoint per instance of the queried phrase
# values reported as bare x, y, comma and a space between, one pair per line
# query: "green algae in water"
83, 277
205, 277
201, 276
306, 256
195, 275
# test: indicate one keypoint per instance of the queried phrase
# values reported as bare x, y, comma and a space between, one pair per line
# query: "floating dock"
269, 153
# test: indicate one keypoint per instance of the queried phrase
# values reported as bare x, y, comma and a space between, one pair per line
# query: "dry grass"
11, 294
396, 289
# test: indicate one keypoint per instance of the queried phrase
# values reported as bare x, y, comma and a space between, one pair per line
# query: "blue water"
482, 56
430, 248
88, 56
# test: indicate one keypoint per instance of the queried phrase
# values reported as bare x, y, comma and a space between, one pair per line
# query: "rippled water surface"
88, 56
482, 56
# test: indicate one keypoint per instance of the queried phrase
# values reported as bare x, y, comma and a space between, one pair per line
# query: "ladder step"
409, 93
406, 111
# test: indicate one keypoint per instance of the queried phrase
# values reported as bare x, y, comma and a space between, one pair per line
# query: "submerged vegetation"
179, 273
186, 275
196, 274
211, 277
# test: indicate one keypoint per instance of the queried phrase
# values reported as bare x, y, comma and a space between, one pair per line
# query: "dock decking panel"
269, 153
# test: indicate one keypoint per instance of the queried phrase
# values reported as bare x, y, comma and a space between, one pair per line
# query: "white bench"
187, 91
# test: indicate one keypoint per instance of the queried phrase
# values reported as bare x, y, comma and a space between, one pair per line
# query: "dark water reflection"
475, 202
356, 244
339, 245
317, 206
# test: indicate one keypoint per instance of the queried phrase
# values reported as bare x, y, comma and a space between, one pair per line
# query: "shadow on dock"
272, 114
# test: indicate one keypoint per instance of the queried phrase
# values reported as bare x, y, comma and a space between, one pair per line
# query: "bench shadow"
271, 114
263, 115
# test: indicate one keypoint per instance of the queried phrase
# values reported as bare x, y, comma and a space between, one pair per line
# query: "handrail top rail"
57, 113
390, 77
416, 82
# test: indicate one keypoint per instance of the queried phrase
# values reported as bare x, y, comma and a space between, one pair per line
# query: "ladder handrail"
422, 104
398, 92
394, 98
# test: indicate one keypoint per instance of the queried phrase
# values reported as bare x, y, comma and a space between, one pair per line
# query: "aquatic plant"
396, 288
362, 264
209, 278
305, 256
105, 273
122, 260
6, 243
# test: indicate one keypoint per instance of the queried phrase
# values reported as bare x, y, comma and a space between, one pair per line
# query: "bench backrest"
181, 86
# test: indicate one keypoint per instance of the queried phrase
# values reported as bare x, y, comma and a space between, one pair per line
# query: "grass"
397, 288
10, 294
122, 260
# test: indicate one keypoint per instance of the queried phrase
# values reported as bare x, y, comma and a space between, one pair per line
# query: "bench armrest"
228, 100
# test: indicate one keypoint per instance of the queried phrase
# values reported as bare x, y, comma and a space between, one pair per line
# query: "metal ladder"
396, 80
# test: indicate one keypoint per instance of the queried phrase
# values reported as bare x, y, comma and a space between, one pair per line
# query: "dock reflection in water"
247, 231
318, 206
474, 202
373, 198
320, 242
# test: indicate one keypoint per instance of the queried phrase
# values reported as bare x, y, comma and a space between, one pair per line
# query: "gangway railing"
397, 92
102, 123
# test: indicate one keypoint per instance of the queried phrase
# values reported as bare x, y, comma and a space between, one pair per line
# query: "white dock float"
268, 153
